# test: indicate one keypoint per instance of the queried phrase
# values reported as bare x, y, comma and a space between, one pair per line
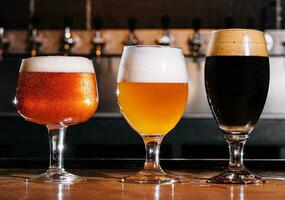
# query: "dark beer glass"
236, 81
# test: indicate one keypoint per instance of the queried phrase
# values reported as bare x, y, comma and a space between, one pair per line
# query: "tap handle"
132, 23
34, 22
67, 21
196, 23
165, 21
97, 22
229, 22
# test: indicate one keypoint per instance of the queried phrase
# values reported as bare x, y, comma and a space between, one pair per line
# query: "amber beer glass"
56, 91
236, 81
152, 93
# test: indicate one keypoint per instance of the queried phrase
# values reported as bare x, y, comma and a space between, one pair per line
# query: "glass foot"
236, 177
49, 177
150, 177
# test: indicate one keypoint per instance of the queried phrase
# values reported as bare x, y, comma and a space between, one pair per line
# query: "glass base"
62, 178
150, 177
236, 177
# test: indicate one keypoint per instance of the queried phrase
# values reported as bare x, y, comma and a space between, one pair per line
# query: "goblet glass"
56, 91
152, 93
236, 81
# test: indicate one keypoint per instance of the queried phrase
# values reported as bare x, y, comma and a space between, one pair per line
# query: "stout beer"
237, 89
236, 82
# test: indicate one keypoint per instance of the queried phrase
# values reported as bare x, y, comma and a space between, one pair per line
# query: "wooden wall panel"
115, 13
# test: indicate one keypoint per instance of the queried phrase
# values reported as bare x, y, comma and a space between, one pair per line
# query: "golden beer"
152, 108
152, 90
54, 98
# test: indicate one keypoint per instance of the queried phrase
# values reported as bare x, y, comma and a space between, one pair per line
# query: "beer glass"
56, 91
236, 81
152, 93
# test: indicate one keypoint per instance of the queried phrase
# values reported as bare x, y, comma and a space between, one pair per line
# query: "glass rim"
238, 30
255, 32
152, 46
54, 56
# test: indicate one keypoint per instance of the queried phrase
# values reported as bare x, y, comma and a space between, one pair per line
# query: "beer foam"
237, 42
57, 64
152, 64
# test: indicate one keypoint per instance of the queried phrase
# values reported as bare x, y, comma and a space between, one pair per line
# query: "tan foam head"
237, 42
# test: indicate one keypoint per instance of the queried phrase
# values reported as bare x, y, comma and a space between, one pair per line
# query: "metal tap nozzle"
132, 38
4, 42
98, 40
34, 42
165, 38
278, 11
68, 41
195, 41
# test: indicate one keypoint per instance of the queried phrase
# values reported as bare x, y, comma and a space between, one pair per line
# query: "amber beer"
63, 95
152, 108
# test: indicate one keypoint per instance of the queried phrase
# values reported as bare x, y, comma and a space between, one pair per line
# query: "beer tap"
68, 41
4, 42
34, 40
98, 40
278, 14
132, 38
165, 38
195, 41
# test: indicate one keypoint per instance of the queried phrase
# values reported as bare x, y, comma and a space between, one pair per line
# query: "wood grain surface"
104, 184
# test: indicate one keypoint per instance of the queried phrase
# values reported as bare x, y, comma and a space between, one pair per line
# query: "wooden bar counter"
104, 184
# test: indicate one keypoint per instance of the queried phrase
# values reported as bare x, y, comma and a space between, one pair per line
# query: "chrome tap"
68, 41
132, 38
34, 41
98, 40
195, 41
165, 38
278, 11
4, 42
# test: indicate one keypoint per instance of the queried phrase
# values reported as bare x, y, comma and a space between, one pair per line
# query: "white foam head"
57, 64
152, 64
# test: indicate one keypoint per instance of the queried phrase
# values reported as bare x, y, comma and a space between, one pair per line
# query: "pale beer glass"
152, 93
56, 91
236, 82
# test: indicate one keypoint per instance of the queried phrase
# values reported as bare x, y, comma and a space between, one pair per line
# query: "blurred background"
99, 30
115, 14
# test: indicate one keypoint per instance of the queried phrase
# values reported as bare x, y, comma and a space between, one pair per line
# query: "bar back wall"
107, 134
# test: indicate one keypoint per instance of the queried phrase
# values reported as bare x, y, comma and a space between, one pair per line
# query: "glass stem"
236, 146
56, 146
152, 146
